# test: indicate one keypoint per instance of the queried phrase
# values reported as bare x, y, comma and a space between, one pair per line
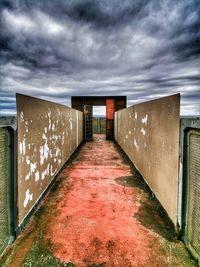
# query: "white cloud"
17, 22
36, 23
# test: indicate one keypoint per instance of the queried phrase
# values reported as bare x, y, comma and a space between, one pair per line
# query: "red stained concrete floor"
98, 214
105, 216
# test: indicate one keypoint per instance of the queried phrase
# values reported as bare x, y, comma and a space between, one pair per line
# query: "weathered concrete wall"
186, 123
48, 133
149, 134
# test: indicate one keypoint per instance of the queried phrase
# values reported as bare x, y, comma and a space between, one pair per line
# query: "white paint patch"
33, 167
22, 116
145, 119
63, 138
29, 146
26, 126
129, 132
46, 172
48, 169
37, 176
49, 115
143, 131
70, 123
20, 147
55, 137
53, 127
45, 130
52, 172
28, 197
136, 116
28, 160
135, 144
44, 152
126, 136
27, 176
24, 146
44, 136
57, 151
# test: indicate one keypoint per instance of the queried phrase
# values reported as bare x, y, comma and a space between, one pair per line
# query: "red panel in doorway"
110, 109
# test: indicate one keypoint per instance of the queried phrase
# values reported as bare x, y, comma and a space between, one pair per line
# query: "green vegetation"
40, 255
99, 125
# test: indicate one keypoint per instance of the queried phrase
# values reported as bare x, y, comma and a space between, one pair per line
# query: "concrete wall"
186, 123
4, 188
7, 183
48, 133
149, 134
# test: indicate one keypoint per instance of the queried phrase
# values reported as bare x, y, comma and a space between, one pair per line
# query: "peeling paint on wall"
37, 176
143, 131
135, 144
153, 146
135, 115
145, 119
48, 133
28, 176
32, 168
28, 197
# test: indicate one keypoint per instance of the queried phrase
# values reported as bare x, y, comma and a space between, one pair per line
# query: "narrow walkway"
100, 215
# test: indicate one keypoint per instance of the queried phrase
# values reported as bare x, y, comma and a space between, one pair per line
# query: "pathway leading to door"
101, 215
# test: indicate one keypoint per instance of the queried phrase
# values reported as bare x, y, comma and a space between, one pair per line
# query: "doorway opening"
108, 103
99, 120
108, 121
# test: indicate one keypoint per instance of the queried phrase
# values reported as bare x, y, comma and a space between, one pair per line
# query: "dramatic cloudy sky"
144, 49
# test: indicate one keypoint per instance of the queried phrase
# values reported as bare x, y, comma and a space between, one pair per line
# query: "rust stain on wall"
110, 109
48, 133
149, 134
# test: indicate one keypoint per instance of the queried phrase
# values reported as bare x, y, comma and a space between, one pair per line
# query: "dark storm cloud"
100, 13
142, 49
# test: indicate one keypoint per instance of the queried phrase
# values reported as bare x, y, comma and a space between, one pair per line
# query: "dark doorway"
88, 122
85, 104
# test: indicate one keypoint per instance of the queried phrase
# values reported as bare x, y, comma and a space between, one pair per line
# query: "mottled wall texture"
48, 133
149, 134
